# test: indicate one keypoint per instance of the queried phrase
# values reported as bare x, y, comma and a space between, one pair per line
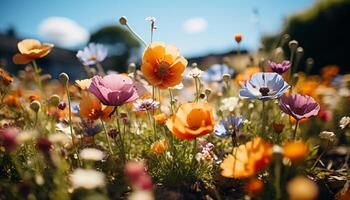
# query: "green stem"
107, 137
122, 149
37, 74
171, 101
263, 116
100, 68
320, 156
197, 88
277, 171
295, 130
136, 35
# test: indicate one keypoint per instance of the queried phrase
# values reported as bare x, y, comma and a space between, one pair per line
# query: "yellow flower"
159, 147
160, 118
31, 49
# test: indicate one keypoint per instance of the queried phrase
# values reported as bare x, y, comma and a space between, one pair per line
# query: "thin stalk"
37, 74
263, 116
100, 68
122, 149
107, 137
320, 156
277, 171
295, 130
171, 101
197, 88
136, 35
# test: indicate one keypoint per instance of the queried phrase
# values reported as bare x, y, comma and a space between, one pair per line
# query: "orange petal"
171, 53
26, 45
21, 59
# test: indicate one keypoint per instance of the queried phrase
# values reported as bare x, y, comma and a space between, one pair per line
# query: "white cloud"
195, 25
63, 32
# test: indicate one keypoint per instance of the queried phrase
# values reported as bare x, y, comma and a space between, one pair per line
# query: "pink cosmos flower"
299, 106
115, 89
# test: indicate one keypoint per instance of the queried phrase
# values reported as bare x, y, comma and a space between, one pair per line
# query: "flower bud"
238, 37
226, 77
293, 45
131, 67
278, 127
44, 145
112, 133
35, 106
54, 100
300, 52
194, 65
285, 39
207, 92
202, 96
8, 138
64, 78
123, 20
62, 105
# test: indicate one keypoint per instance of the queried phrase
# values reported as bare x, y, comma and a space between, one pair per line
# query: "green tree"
323, 31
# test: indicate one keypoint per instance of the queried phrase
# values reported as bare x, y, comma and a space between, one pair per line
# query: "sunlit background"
195, 27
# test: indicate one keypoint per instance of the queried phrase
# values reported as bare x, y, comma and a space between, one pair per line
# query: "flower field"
170, 129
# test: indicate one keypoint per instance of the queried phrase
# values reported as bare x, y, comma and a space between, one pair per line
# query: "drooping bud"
238, 37
194, 65
35, 106
226, 77
112, 133
64, 78
207, 92
54, 100
123, 20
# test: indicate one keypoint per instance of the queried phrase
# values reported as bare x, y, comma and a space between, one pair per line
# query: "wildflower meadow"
167, 128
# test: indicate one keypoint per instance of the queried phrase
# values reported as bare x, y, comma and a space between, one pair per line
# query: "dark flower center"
264, 91
162, 69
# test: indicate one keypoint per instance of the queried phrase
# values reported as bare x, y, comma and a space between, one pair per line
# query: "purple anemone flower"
280, 68
115, 89
264, 86
299, 106
92, 54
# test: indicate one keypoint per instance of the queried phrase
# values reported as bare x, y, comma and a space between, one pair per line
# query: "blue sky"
223, 18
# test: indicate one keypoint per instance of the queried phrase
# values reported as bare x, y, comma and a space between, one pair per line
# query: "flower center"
264, 91
93, 58
162, 68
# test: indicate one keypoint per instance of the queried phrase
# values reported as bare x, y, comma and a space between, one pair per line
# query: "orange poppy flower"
247, 159
192, 120
295, 151
238, 37
91, 108
162, 65
328, 73
31, 49
12, 101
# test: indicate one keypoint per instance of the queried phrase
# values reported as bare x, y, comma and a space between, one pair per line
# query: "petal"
26, 45
21, 59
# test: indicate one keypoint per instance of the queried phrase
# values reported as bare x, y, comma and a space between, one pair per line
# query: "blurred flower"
44, 145
194, 73
137, 175
112, 133
62, 105
159, 147
12, 101
344, 122
299, 106
60, 138
295, 151
247, 159
246, 74
92, 54
228, 126
8, 138
278, 127
115, 90
31, 49
215, 72
327, 135
238, 37
264, 86
229, 104
91, 154
83, 84
5, 77
87, 179
192, 120
254, 186
280, 68
160, 118
162, 65
90, 128
141, 195
91, 108
301, 188
142, 105
328, 73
